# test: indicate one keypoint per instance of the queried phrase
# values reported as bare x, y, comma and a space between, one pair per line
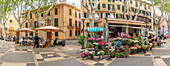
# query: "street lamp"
83, 19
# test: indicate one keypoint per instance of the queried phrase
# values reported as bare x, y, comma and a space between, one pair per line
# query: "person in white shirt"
21, 41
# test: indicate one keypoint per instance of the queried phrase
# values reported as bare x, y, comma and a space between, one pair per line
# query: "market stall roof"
94, 29
50, 28
25, 30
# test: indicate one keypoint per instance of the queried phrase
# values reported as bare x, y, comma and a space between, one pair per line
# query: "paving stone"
16, 49
167, 61
40, 59
99, 64
17, 57
66, 56
46, 55
161, 52
0, 63
30, 64
36, 53
29, 51
67, 62
132, 61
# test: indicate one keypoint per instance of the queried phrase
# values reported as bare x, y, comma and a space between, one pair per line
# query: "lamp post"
106, 28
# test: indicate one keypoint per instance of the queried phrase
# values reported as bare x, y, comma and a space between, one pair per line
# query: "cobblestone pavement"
15, 55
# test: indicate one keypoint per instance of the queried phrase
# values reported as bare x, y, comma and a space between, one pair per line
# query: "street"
15, 55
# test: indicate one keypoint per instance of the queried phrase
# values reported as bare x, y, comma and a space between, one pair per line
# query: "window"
145, 7
56, 33
113, 0
108, 6
131, 2
118, 7
10, 21
101, 15
35, 24
70, 33
136, 3
79, 24
113, 7
85, 15
141, 4
122, 8
42, 15
103, 5
95, 24
70, 22
49, 14
93, 4
56, 11
79, 15
70, 12
48, 22
87, 24
56, 22
76, 32
26, 25
99, 6
31, 16
76, 23
26, 34
76, 14
148, 7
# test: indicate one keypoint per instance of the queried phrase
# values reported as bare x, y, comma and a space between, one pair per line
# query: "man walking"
36, 39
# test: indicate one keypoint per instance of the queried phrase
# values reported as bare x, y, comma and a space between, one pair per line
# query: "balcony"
70, 26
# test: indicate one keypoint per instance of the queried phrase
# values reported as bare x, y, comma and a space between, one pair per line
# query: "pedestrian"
36, 39
14, 39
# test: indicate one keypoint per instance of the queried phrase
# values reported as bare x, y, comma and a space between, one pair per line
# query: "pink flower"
90, 39
98, 39
135, 48
111, 52
83, 55
86, 53
102, 42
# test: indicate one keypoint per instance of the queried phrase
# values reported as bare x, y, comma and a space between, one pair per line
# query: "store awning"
94, 29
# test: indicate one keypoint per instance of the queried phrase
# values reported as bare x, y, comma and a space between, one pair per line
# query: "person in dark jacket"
55, 41
36, 39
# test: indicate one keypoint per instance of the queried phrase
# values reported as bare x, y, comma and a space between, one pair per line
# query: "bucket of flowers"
85, 54
144, 48
112, 53
100, 53
150, 46
135, 43
91, 40
98, 40
120, 55
96, 45
118, 45
101, 43
133, 50
92, 54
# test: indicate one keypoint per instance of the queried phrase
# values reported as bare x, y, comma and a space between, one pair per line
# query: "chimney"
62, 0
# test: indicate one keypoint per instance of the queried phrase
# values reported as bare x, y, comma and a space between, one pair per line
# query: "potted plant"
95, 45
112, 53
98, 40
144, 48
92, 54
150, 46
101, 43
100, 53
135, 42
118, 45
91, 40
133, 50
81, 41
85, 54
120, 55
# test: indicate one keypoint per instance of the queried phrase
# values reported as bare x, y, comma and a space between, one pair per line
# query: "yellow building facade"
64, 16
10, 25
114, 9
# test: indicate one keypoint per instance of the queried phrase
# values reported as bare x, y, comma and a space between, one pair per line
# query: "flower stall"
119, 47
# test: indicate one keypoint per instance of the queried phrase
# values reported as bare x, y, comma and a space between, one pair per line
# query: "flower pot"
100, 57
133, 53
92, 57
138, 50
144, 50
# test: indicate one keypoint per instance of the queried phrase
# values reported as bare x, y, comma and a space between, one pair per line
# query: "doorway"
49, 35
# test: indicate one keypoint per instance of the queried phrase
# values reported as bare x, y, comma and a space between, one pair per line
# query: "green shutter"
56, 33
56, 11
56, 22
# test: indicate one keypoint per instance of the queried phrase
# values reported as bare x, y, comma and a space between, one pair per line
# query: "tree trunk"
168, 28
20, 34
156, 28
4, 31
